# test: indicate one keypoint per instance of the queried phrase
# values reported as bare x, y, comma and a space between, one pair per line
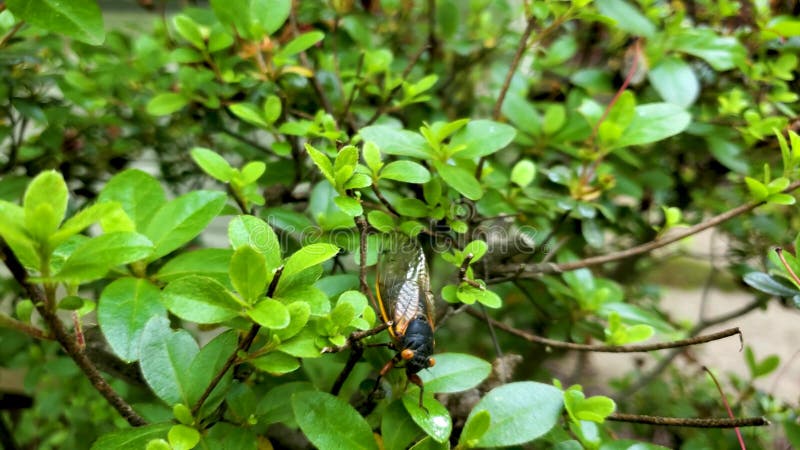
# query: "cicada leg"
414, 378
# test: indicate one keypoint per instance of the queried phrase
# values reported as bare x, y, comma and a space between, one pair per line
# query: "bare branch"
691, 423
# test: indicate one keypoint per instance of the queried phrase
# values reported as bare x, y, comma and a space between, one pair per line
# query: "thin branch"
7, 37
354, 90
382, 108
9, 322
786, 265
600, 348
383, 200
691, 423
363, 229
244, 346
533, 270
66, 340
727, 406
512, 69
326, 103
462, 273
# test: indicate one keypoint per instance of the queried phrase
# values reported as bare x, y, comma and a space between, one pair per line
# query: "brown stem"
363, 229
14, 324
66, 340
727, 406
382, 108
692, 423
356, 88
601, 348
383, 200
786, 265
7, 37
244, 346
533, 270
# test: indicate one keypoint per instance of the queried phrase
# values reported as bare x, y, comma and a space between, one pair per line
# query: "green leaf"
627, 17
475, 428
248, 273
308, 256
270, 314
460, 180
272, 108
781, 199
758, 190
249, 113
675, 81
94, 257
434, 419
330, 422
372, 156
455, 372
252, 171
123, 310
394, 141
349, 205
139, 194
406, 171
82, 220
206, 365
45, 204
166, 103
181, 220
300, 43
398, 429
276, 363
200, 299
209, 262
520, 413
554, 117
482, 138
766, 283
212, 163
182, 437
523, 173
323, 163
381, 221
78, 19
654, 122
477, 248
299, 313
132, 438
248, 230
270, 14
722, 53
165, 358
594, 409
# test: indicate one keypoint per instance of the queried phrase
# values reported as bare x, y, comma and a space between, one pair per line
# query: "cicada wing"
403, 285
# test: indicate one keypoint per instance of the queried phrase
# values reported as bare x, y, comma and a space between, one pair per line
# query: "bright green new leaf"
380, 221
758, 190
189, 30
299, 313
523, 173
252, 171
248, 273
248, 230
308, 256
270, 314
165, 358
349, 205
372, 156
455, 372
406, 171
250, 114
181, 220
460, 180
82, 220
323, 163
94, 257
182, 437
482, 138
210, 262
212, 163
272, 108
166, 103
475, 428
520, 413
45, 204
200, 299
477, 248
123, 310
78, 19
594, 409
331, 423
300, 43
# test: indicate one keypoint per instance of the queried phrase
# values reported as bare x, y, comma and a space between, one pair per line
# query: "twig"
7, 37
382, 108
352, 360
462, 272
326, 103
727, 406
601, 348
383, 200
244, 346
533, 270
356, 88
9, 322
363, 229
691, 423
66, 340
786, 265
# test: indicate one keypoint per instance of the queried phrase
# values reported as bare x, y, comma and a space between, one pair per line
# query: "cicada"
406, 304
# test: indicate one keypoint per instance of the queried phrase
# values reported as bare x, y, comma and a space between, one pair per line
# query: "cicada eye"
431, 362
407, 354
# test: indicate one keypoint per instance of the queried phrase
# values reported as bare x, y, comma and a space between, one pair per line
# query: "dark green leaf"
654, 122
300, 43
210, 262
139, 194
248, 273
276, 363
182, 219
200, 299
482, 138
252, 231
769, 285
206, 365
79, 19
520, 413
460, 180
398, 429
123, 310
165, 358
331, 423
455, 372
249, 113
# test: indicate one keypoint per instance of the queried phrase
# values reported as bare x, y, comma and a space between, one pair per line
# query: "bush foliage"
192, 213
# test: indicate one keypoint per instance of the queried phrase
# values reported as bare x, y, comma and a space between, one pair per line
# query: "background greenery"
515, 140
